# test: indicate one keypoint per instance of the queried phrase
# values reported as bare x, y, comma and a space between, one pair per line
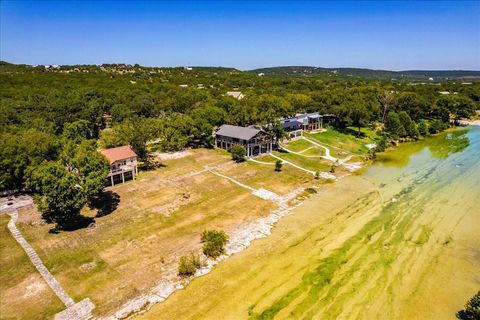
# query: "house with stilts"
123, 164
256, 141
295, 126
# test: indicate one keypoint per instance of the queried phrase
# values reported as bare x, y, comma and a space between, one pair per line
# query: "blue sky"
381, 35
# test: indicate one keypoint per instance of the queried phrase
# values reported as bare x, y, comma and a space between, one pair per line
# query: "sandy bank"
470, 122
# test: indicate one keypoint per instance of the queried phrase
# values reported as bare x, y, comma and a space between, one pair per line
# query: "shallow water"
400, 241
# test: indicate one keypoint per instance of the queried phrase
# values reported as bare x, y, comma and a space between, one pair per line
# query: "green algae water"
400, 241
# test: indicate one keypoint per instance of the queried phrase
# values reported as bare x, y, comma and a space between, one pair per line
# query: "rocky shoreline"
240, 239
469, 122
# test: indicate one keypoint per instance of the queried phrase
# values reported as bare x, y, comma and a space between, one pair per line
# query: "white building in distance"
236, 94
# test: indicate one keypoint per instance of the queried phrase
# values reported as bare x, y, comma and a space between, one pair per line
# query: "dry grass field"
159, 218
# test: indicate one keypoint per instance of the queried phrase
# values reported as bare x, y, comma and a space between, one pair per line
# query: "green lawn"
305, 147
339, 141
266, 158
298, 145
314, 164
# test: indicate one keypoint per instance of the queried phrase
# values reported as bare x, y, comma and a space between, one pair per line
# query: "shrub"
317, 175
472, 309
214, 242
381, 142
409, 126
238, 153
436, 126
394, 126
278, 165
423, 128
188, 265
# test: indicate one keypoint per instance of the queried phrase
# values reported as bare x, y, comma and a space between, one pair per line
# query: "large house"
123, 164
303, 121
255, 141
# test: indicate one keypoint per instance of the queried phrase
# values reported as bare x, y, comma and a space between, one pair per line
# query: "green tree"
393, 125
91, 167
423, 128
458, 106
20, 150
360, 116
409, 126
214, 242
137, 132
412, 103
381, 142
277, 131
58, 192
63, 187
238, 153
77, 131
436, 126
120, 112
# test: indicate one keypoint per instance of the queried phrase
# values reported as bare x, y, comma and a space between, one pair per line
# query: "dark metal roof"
291, 124
237, 132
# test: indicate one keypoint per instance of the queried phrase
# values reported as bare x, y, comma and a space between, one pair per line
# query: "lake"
399, 241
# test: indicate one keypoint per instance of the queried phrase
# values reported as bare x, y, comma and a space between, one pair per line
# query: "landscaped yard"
263, 176
342, 144
159, 218
304, 147
313, 164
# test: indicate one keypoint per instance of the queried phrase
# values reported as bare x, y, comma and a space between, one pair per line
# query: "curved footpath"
327, 156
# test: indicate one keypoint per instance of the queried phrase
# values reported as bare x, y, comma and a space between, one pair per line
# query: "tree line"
52, 123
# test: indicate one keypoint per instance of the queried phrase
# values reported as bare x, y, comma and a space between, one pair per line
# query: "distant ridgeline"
369, 73
418, 75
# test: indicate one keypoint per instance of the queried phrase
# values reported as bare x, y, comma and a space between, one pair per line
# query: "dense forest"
54, 119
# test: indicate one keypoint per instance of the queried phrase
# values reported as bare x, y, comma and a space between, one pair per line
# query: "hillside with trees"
423, 75
54, 120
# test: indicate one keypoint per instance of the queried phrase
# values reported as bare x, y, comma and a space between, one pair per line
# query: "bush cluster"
214, 243
188, 265
238, 153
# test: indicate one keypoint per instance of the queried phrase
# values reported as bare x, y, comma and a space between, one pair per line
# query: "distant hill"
418, 75
216, 69
369, 73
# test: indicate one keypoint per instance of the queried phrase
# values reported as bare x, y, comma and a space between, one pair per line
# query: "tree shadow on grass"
106, 203
151, 165
78, 222
352, 132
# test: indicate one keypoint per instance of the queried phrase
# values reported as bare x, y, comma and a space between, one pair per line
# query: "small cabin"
123, 164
